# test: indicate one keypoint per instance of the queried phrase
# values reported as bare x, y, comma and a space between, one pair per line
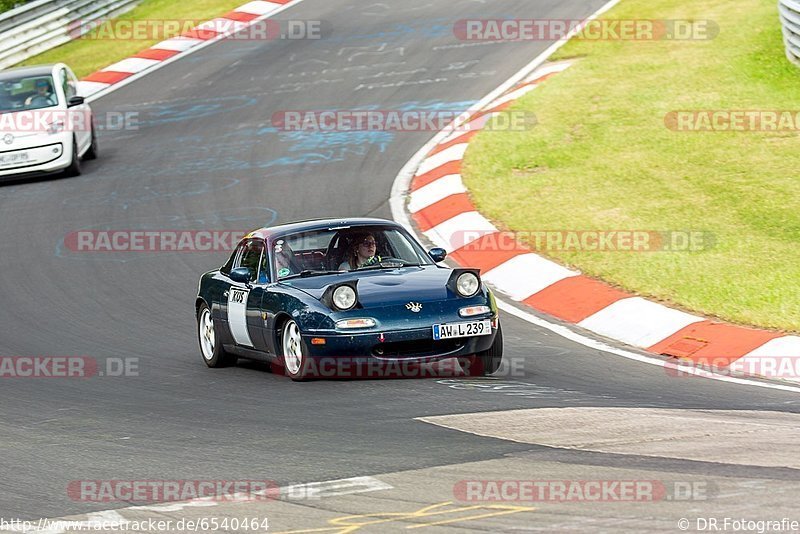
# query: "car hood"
384, 287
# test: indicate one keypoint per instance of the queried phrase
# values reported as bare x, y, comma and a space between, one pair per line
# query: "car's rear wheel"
74, 168
294, 355
210, 346
485, 362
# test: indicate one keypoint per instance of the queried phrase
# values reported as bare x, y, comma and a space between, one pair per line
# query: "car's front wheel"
293, 354
74, 168
210, 346
485, 362
94, 150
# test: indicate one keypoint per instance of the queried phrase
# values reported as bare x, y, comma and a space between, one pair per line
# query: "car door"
80, 115
242, 301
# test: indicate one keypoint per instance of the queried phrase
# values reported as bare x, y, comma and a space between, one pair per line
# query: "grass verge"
87, 55
602, 158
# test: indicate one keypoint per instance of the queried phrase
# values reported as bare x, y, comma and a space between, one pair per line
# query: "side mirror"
241, 275
75, 101
437, 254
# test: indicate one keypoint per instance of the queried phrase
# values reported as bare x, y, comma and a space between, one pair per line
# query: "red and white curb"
439, 204
209, 31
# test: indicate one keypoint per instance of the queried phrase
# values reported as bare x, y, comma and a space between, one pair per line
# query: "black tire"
485, 362
296, 370
93, 151
214, 356
74, 168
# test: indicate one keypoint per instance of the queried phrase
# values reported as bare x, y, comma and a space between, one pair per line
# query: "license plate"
13, 159
468, 329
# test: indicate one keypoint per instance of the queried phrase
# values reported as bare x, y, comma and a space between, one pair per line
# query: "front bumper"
35, 160
414, 345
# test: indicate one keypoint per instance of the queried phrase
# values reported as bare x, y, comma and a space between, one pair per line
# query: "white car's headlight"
55, 127
344, 297
467, 284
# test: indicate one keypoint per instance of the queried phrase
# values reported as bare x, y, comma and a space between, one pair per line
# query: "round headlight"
467, 284
344, 297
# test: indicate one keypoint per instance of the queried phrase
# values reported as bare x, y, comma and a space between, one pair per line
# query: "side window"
72, 83
69, 88
251, 257
226, 269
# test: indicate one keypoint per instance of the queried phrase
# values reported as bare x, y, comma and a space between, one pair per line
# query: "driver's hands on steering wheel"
372, 261
39, 100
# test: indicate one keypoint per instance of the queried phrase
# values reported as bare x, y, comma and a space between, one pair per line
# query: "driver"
361, 252
43, 97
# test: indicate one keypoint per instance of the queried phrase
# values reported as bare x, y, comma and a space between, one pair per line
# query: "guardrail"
44, 24
790, 18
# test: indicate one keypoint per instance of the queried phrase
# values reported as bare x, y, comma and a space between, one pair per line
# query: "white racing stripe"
258, 8
525, 275
450, 235
453, 153
638, 322
436, 191
131, 64
178, 44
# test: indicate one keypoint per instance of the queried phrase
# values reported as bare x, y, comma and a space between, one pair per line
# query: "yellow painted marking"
348, 524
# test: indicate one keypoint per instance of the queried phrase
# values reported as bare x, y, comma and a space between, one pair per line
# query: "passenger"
361, 252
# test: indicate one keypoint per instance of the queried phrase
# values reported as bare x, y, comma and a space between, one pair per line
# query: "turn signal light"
365, 322
470, 311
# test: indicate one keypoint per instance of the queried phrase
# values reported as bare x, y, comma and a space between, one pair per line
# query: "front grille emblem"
415, 307
8, 139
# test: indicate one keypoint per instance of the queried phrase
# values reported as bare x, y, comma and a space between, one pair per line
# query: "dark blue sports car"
332, 297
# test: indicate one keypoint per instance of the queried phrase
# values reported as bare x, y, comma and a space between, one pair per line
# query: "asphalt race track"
206, 156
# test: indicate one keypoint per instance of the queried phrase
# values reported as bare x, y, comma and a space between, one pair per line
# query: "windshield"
28, 92
363, 247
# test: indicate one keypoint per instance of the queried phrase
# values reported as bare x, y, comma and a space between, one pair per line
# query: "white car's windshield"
26, 93
348, 249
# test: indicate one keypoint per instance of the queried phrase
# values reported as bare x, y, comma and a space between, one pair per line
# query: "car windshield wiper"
309, 272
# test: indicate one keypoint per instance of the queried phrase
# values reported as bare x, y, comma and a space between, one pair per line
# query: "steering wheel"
40, 100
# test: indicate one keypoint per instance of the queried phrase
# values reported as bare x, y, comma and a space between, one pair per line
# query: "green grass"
601, 157
86, 56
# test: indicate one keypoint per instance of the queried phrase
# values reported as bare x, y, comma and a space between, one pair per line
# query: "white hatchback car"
45, 126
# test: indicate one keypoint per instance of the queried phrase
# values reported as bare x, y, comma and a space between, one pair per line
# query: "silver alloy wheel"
292, 348
207, 335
